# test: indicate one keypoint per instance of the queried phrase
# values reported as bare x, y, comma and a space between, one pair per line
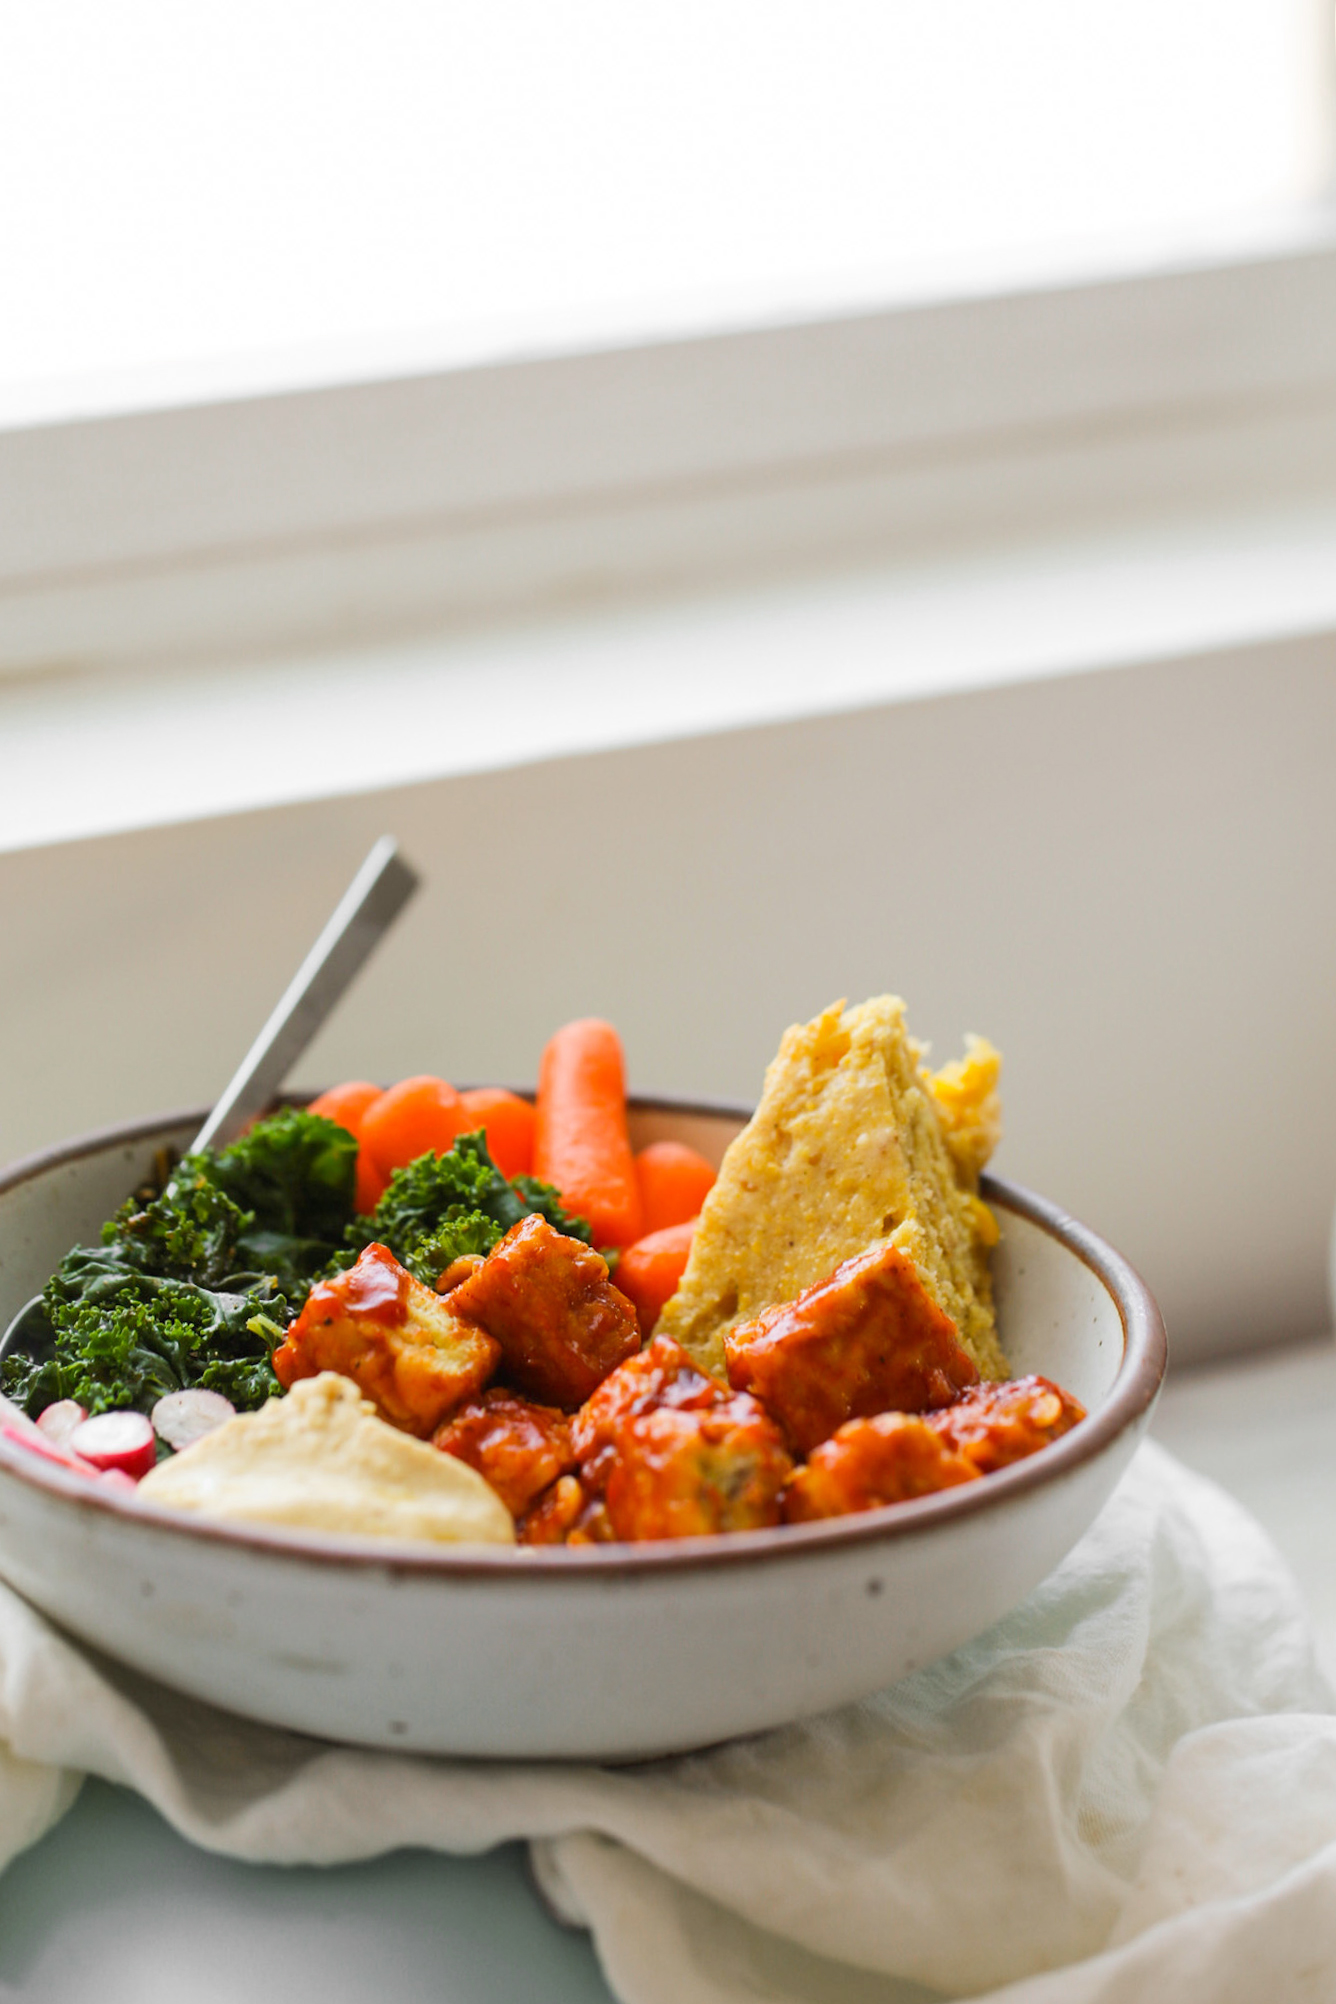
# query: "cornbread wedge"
854, 1142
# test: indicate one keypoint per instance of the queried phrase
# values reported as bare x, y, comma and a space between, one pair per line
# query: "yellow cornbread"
319, 1459
853, 1142
969, 1108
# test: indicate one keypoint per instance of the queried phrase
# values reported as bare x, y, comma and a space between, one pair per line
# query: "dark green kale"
293, 1175
442, 1206
545, 1198
433, 1191
455, 1189
295, 1171
121, 1336
190, 1232
197, 1286
471, 1232
436, 1210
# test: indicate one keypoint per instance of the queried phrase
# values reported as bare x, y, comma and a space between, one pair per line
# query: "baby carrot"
413, 1116
580, 1142
509, 1124
648, 1272
347, 1104
370, 1182
674, 1183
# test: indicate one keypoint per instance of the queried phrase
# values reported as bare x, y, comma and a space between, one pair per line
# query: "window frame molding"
411, 502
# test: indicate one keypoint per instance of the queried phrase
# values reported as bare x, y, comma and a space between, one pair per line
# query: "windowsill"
1010, 272
899, 436
96, 753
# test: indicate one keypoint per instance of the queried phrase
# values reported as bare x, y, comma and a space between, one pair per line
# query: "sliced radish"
37, 1443
28, 1435
116, 1478
14, 1416
180, 1417
124, 1441
58, 1422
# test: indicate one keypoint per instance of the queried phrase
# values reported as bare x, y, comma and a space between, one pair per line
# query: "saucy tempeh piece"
405, 1347
548, 1301
660, 1374
519, 1447
869, 1339
993, 1425
671, 1453
888, 1458
555, 1517
893, 1456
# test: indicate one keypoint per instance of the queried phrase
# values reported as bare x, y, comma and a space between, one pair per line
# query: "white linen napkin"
1126, 1789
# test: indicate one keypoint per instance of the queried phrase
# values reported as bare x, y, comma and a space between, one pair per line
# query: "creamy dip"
320, 1460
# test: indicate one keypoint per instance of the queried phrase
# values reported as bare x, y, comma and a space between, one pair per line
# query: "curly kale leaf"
442, 1206
196, 1286
123, 1337
247, 1381
197, 1230
295, 1171
191, 1232
436, 1209
420, 1198
546, 1199
470, 1232
276, 1202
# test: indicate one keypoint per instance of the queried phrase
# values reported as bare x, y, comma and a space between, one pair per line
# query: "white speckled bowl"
603, 1652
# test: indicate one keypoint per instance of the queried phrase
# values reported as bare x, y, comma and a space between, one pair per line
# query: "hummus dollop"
319, 1459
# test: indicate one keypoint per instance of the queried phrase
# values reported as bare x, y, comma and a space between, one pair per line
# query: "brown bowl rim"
1135, 1389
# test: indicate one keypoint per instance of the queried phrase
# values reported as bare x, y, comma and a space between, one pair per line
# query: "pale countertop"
113, 1908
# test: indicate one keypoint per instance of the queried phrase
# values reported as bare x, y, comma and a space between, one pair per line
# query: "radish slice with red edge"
58, 1422
27, 1436
115, 1478
123, 1441
182, 1417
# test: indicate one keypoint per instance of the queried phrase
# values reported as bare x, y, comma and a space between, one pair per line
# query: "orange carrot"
370, 1182
347, 1104
648, 1272
413, 1116
674, 1183
509, 1124
580, 1142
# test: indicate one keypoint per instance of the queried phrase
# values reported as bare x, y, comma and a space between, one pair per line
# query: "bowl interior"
1057, 1313
63, 1197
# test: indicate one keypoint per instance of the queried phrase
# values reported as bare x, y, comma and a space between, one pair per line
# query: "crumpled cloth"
1125, 1790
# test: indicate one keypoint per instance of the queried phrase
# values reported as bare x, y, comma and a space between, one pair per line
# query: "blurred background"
767, 502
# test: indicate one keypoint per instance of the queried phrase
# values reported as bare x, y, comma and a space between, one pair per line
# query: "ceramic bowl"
608, 1652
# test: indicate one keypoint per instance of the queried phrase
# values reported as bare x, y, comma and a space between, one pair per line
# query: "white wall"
1127, 878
